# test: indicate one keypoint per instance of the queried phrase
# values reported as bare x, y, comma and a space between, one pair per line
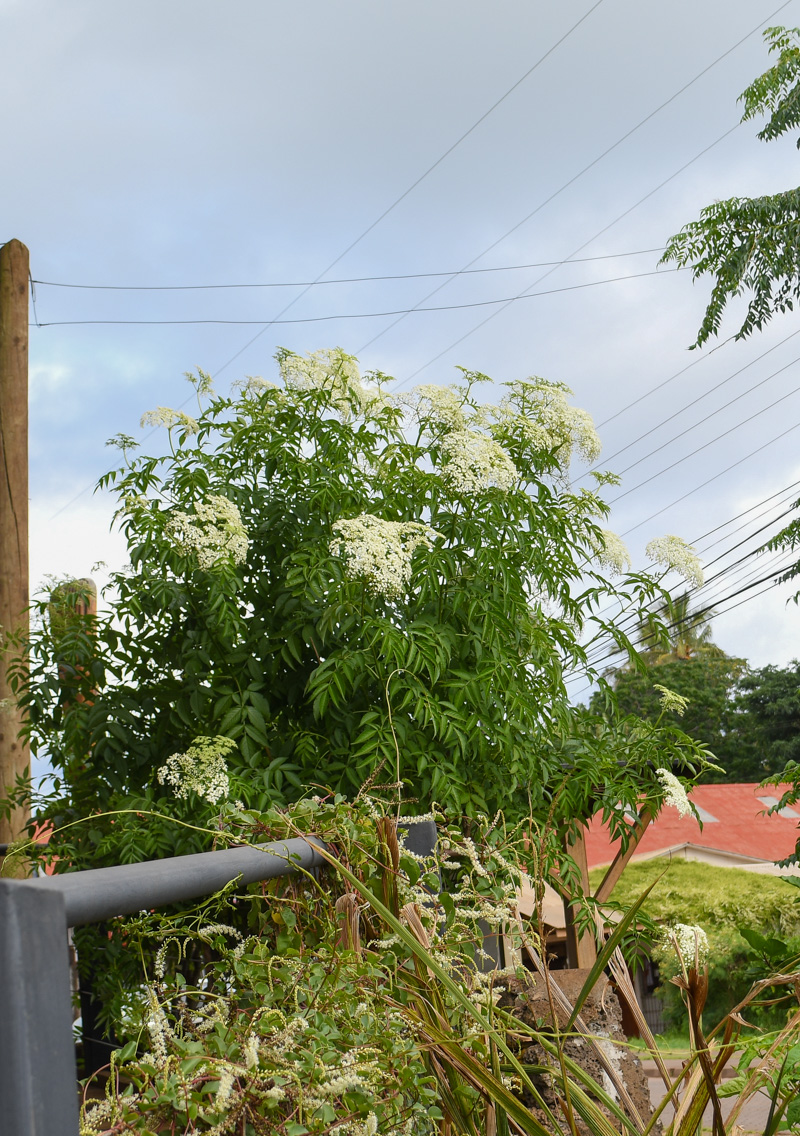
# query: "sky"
280, 144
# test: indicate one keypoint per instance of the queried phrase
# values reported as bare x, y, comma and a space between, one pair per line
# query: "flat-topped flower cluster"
379, 552
202, 769
214, 533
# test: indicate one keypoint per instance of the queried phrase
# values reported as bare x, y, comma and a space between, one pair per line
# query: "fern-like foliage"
777, 91
752, 245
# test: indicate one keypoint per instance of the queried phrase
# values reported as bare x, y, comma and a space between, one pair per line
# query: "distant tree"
708, 683
679, 653
676, 633
767, 717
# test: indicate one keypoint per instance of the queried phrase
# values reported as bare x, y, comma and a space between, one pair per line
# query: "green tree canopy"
329, 586
709, 684
767, 717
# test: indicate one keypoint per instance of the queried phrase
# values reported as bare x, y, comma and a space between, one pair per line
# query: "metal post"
38, 1088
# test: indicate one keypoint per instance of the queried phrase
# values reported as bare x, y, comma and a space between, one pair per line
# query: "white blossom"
670, 700
165, 416
674, 552
611, 552
674, 793
160, 964
202, 769
250, 1050
442, 407
345, 1082
330, 370
225, 1091
252, 384
539, 411
214, 533
689, 941
474, 462
157, 1027
379, 551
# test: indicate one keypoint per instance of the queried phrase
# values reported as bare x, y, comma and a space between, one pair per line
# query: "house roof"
734, 819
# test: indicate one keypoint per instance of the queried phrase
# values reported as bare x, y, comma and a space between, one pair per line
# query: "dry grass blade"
557, 995
624, 985
347, 915
427, 959
759, 1075
390, 854
409, 913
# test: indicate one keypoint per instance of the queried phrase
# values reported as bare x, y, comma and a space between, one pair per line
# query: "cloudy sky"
276, 144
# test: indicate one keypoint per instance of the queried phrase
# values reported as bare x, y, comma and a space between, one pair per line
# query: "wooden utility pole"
14, 597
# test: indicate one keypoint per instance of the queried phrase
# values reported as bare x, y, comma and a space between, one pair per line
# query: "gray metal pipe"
101, 893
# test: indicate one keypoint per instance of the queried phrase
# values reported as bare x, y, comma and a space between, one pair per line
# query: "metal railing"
38, 1074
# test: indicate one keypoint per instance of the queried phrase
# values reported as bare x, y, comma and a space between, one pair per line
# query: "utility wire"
579, 248
364, 315
665, 383
711, 441
682, 409
340, 280
33, 300
793, 485
579, 175
712, 609
588, 685
412, 187
786, 493
709, 480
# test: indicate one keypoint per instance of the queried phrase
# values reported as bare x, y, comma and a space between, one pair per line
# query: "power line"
785, 493
579, 248
682, 409
711, 441
661, 385
340, 280
588, 685
542, 204
413, 186
786, 489
709, 480
362, 315
712, 609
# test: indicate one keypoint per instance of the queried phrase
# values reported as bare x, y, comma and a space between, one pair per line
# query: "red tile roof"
740, 826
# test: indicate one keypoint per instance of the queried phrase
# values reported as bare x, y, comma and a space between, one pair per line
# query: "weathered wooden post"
14, 595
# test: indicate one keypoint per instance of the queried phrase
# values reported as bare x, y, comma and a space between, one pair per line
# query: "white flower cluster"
674, 793
379, 551
224, 1094
252, 384
540, 411
673, 552
689, 941
611, 552
250, 1049
214, 533
165, 416
157, 1027
331, 370
670, 700
475, 462
202, 769
442, 407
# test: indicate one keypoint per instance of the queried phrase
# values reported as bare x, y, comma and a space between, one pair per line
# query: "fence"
38, 1075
